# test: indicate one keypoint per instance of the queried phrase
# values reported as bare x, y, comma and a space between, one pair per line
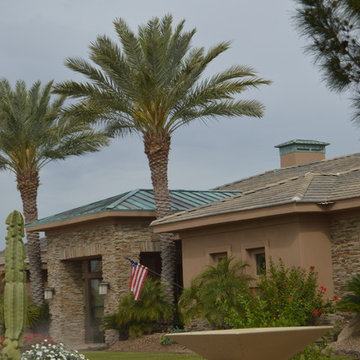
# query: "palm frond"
33, 130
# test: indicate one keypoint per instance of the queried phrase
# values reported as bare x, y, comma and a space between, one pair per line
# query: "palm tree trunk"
157, 151
28, 184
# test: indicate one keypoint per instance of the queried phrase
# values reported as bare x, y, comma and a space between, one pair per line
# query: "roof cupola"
296, 152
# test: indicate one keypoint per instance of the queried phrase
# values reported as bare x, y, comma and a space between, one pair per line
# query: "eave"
256, 213
92, 217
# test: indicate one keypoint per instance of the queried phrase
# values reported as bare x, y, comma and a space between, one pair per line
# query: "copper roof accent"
139, 202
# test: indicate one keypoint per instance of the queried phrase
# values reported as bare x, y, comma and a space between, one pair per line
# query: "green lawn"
109, 355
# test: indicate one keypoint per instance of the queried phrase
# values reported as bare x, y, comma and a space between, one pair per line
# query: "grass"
109, 355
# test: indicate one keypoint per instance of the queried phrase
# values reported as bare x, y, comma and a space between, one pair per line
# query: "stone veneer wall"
345, 238
111, 242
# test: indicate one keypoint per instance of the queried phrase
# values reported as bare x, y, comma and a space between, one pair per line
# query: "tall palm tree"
150, 83
32, 133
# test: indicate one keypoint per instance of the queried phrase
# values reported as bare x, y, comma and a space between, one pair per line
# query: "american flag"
137, 279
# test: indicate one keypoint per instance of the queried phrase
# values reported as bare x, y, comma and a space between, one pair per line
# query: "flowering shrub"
47, 351
284, 297
33, 339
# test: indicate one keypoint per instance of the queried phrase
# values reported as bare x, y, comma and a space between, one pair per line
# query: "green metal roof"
299, 145
140, 200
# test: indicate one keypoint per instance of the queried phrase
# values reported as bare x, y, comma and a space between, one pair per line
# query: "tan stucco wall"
315, 248
109, 240
298, 240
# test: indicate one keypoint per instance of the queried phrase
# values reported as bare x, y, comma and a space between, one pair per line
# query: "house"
86, 248
307, 213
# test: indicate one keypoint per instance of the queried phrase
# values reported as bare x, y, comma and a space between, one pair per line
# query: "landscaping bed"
148, 343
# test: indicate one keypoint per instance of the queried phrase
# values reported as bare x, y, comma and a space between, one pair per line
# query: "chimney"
296, 152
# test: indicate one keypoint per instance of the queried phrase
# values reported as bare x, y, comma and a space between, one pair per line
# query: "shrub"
218, 284
47, 351
284, 297
316, 351
351, 301
135, 318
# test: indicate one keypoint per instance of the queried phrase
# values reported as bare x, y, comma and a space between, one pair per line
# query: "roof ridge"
122, 198
345, 171
303, 187
280, 182
174, 215
280, 169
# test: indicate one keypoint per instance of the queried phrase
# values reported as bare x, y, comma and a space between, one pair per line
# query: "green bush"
135, 318
222, 283
351, 301
284, 297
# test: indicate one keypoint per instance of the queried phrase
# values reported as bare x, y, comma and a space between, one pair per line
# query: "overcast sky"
36, 36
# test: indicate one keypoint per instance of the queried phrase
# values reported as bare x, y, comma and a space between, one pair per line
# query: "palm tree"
217, 285
150, 84
32, 133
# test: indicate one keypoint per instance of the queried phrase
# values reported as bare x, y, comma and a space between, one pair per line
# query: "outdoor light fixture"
103, 288
49, 293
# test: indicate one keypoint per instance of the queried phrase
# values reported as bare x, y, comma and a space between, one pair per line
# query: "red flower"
322, 288
335, 298
315, 312
290, 299
312, 267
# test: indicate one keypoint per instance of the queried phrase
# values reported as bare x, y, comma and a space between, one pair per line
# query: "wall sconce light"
103, 288
49, 293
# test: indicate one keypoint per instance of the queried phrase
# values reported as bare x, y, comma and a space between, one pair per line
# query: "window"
260, 261
216, 257
257, 261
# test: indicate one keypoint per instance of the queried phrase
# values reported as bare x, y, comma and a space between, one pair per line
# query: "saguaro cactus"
15, 287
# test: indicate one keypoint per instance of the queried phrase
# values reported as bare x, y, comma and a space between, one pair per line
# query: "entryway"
94, 302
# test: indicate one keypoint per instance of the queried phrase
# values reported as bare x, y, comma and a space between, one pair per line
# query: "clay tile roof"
319, 182
139, 200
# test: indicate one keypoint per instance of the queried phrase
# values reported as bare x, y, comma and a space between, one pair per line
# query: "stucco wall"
111, 242
297, 240
345, 238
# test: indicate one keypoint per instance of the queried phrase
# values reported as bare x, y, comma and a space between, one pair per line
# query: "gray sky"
36, 36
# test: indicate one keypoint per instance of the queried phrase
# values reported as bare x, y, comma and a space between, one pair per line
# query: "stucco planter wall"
111, 242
